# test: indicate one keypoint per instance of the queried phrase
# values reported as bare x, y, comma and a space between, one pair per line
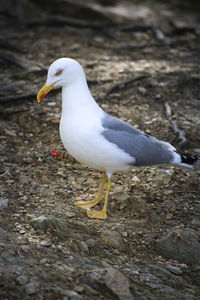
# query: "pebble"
196, 221
80, 226
31, 288
91, 243
22, 279
174, 270
11, 133
89, 290
113, 239
45, 243
163, 178
135, 179
79, 289
121, 197
73, 295
74, 47
51, 103
43, 261
4, 203
18, 270
142, 90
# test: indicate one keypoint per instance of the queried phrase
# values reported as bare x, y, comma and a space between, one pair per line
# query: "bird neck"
76, 98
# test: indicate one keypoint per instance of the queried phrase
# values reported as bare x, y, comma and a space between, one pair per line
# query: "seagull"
99, 140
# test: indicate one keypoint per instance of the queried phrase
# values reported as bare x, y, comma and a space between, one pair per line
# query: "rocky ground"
149, 247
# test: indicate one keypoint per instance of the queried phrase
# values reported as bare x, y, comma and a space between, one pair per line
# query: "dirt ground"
149, 246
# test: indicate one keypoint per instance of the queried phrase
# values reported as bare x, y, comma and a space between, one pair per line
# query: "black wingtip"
189, 159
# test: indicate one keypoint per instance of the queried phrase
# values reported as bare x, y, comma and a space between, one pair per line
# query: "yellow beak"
44, 91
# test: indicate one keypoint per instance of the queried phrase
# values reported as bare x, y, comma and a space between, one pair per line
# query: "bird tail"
189, 160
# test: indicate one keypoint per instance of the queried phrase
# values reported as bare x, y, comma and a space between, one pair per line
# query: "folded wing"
146, 150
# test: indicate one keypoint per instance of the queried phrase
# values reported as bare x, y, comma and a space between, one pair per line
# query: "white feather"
80, 131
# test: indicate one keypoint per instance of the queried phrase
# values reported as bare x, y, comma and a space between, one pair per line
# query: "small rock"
182, 245
46, 243
121, 196
4, 203
174, 270
81, 246
118, 283
12, 259
43, 261
72, 295
89, 290
36, 129
80, 226
113, 239
51, 103
158, 96
52, 296
22, 279
11, 133
31, 288
91, 243
142, 90
18, 270
113, 280
196, 221
6, 174
163, 178
74, 47
68, 269
91, 182
157, 276
55, 226
135, 179
26, 249
78, 289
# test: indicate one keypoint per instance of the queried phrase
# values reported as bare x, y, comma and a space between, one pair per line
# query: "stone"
11, 133
31, 288
162, 178
174, 270
89, 290
78, 289
80, 226
113, 239
118, 283
4, 203
55, 226
195, 222
91, 243
135, 179
72, 295
81, 246
22, 279
111, 280
142, 90
121, 197
182, 245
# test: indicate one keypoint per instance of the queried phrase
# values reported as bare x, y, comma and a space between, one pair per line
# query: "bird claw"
86, 204
93, 214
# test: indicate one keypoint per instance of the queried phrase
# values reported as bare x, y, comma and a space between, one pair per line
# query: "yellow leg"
89, 204
102, 214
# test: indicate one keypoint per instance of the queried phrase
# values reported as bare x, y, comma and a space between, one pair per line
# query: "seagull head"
62, 72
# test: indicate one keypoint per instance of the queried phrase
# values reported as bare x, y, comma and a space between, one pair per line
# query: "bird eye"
59, 72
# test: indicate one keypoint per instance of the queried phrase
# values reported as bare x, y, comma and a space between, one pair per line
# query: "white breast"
80, 131
82, 138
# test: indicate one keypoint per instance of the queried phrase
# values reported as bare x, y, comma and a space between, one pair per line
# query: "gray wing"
146, 149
